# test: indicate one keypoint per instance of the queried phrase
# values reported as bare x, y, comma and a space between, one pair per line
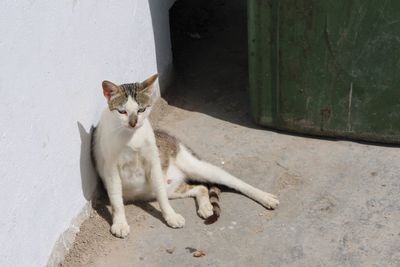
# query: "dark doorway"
209, 42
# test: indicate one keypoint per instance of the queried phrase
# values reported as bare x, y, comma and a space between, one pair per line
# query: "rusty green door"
326, 67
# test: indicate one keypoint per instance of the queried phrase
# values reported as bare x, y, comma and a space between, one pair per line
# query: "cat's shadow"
89, 177
101, 205
92, 187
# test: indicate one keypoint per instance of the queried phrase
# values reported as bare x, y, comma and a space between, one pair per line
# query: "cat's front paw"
269, 201
175, 220
120, 229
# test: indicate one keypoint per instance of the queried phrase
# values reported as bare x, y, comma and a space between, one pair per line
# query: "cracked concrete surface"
340, 201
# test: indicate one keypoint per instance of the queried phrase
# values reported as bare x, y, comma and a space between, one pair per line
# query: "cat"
137, 163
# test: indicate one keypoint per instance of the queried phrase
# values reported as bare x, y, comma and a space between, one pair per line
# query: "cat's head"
130, 103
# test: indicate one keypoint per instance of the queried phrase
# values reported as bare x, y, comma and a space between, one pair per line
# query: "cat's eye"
141, 110
122, 111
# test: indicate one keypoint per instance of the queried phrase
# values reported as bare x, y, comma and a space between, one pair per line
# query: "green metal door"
328, 67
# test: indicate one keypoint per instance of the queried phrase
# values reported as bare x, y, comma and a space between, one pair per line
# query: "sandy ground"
340, 201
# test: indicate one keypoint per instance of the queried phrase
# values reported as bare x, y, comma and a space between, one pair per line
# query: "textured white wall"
53, 57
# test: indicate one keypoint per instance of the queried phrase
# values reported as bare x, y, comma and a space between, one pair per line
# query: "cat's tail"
205, 172
214, 193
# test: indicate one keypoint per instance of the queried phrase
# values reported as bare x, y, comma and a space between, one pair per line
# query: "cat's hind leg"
205, 172
200, 193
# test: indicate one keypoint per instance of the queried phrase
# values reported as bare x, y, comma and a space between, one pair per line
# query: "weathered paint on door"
326, 67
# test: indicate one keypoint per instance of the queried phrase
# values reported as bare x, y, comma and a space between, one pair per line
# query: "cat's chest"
132, 168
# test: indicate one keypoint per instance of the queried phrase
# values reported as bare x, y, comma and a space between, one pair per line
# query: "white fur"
174, 178
205, 172
128, 163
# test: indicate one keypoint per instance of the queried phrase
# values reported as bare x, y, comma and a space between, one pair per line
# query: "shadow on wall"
88, 173
159, 11
92, 187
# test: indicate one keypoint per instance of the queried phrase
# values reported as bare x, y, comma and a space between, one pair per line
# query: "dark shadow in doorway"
209, 41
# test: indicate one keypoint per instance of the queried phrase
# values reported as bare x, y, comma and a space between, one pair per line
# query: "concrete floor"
340, 201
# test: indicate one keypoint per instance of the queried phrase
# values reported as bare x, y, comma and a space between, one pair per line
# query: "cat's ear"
148, 84
109, 89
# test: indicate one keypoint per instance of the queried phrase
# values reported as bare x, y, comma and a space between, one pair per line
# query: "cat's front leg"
172, 218
112, 182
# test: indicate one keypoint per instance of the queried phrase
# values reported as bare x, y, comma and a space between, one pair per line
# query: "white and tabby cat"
137, 163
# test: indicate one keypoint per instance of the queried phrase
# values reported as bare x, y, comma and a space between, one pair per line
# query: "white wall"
53, 57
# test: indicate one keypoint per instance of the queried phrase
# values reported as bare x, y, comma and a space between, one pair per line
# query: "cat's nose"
132, 120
